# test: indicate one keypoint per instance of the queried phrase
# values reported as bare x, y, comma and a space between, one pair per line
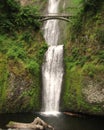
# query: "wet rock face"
94, 92
18, 84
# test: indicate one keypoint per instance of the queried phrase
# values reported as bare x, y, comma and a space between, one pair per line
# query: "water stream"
52, 68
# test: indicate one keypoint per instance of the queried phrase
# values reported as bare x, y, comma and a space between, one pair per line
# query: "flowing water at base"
60, 122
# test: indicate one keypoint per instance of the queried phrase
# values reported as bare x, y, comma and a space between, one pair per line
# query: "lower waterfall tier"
52, 74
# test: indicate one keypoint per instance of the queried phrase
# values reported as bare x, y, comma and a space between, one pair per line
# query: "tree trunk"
72, 114
37, 124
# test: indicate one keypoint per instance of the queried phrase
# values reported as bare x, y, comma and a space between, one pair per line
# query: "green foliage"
84, 56
72, 7
86, 13
14, 17
3, 82
89, 69
21, 52
42, 50
27, 37
20, 59
16, 52
100, 36
73, 99
9, 7
8, 10
92, 70
91, 5
73, 83
76, 28
26, 17
33, 94
33, 67
76, 57
100, 56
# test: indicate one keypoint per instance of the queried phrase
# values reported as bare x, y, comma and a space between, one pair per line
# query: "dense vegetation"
84, 58
21, 51
22, 48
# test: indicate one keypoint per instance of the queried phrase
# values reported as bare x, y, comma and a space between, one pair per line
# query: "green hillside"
22, 49
84, 60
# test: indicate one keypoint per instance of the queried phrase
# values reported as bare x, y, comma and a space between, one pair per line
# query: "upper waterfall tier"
51, 28
53, 6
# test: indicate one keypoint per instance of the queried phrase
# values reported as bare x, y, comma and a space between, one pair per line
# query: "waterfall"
52, 78
52, 68
51, 29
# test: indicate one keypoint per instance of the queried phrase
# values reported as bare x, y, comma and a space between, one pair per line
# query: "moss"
73, 83
3, 79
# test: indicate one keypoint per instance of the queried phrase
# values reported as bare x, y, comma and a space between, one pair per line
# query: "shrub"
8, 11
26, 17
100, 36
32, 66
91, 5
16, 52
91, 69
27, 37
43, 50
14, 17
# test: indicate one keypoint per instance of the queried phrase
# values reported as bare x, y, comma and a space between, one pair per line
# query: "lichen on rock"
94, 92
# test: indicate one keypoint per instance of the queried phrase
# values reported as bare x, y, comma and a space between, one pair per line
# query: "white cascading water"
52, 68
52, 78
51, 29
